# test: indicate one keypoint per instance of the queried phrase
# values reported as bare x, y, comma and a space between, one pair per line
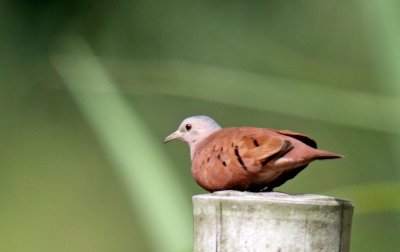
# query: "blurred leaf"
286, 96
143, 167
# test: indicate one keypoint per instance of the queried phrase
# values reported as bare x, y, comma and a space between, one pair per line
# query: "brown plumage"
245, 158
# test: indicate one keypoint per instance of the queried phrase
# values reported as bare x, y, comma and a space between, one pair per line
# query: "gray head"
193, 130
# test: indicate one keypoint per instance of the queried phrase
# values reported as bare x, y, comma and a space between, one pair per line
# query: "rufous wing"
266, 148
247, 149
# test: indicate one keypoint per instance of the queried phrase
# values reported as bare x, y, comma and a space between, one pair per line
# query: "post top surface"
309, 199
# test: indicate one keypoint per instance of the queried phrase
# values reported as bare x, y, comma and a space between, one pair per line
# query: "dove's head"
193, 130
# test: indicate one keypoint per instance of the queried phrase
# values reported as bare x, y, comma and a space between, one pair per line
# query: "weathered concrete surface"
244, 221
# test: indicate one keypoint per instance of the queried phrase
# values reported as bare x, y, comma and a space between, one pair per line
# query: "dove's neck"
199, 138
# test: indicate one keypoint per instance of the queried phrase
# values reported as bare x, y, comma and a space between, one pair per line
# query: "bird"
245, 158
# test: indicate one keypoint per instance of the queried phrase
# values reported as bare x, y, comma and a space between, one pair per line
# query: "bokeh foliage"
89, 90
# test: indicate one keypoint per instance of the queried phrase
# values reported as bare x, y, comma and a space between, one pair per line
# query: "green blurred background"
89, 90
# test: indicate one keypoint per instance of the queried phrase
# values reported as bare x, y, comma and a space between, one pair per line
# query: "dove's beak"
173, 136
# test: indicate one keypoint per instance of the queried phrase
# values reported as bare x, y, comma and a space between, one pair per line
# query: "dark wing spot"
219, 156
208, 159
255, 142
239, 158
224, 163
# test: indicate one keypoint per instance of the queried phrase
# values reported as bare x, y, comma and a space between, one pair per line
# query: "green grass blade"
285, 96
137, 156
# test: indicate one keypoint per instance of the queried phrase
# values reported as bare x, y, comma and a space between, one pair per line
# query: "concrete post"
243, 221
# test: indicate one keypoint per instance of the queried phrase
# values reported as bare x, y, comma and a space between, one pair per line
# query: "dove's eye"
188, 126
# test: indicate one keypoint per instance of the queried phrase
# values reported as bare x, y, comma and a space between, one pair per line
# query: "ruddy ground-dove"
245, 158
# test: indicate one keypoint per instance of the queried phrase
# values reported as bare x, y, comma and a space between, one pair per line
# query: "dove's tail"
322, 154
